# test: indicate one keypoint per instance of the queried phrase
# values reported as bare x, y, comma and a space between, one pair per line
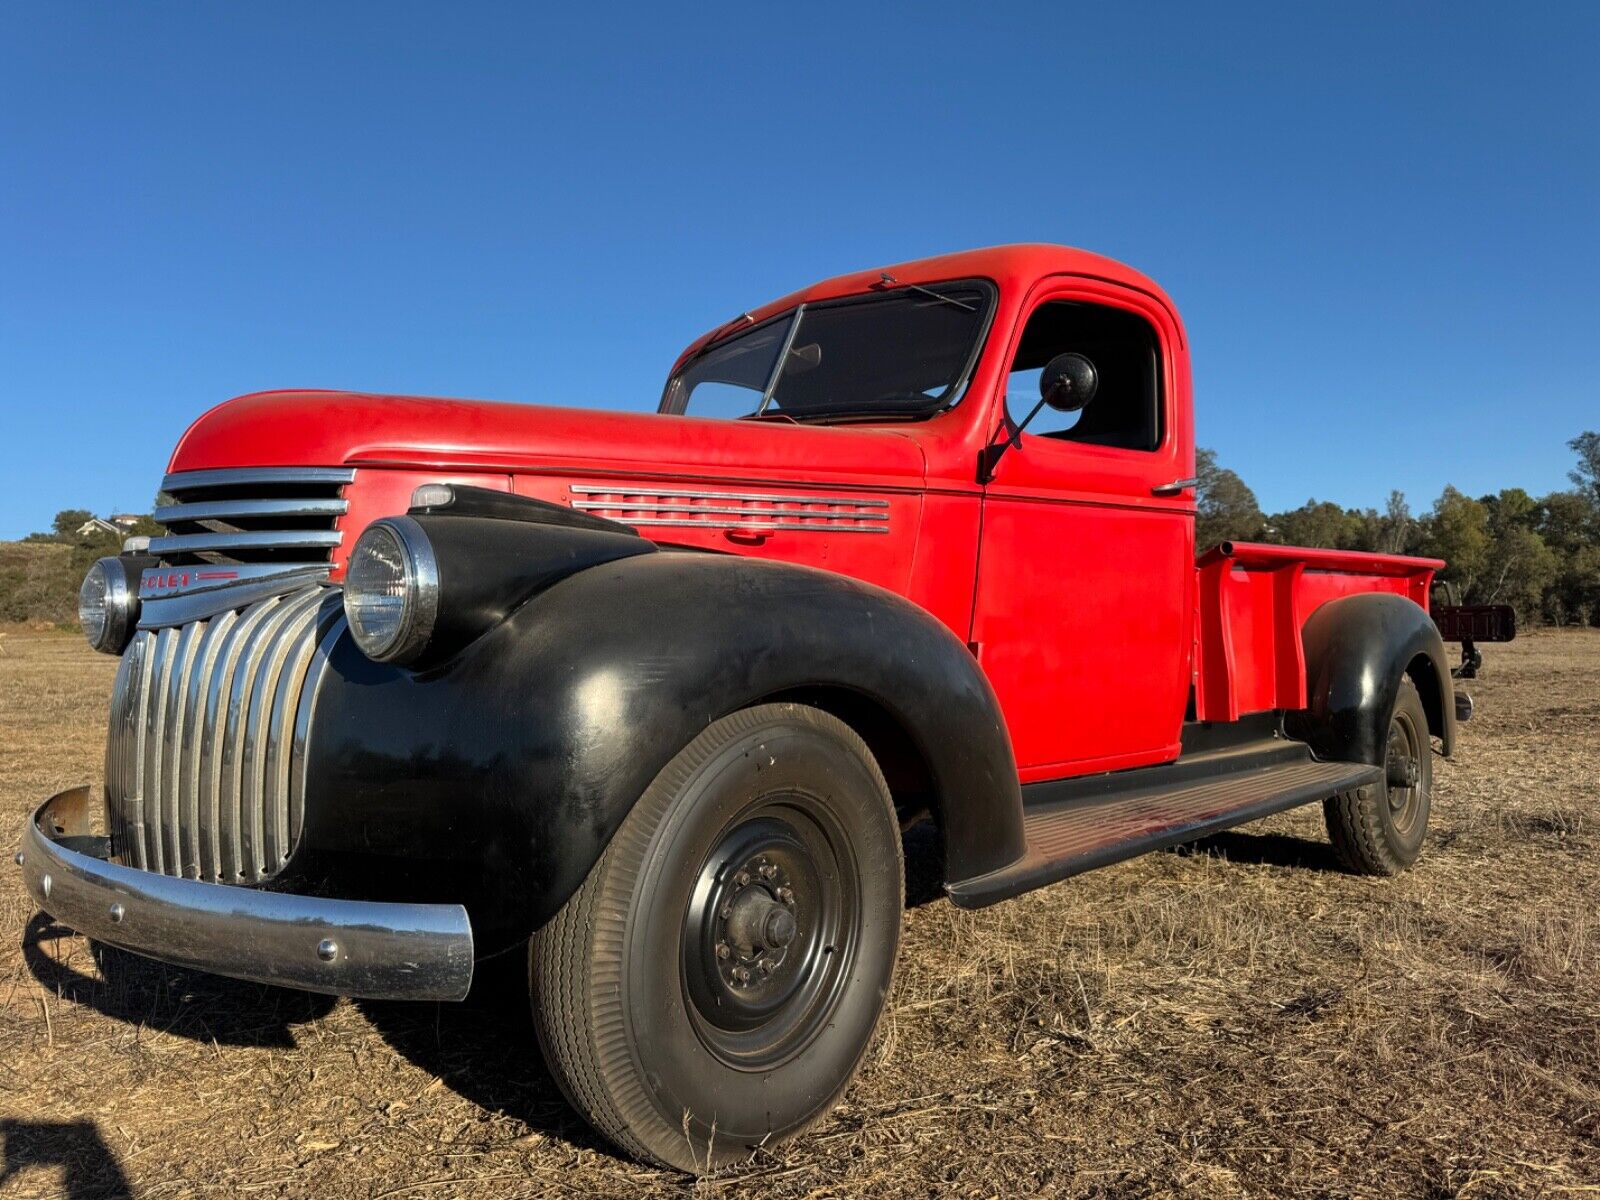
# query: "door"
1083, 614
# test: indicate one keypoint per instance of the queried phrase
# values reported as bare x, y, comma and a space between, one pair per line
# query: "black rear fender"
1357, 650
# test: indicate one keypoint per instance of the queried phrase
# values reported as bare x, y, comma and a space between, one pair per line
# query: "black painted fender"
498, 777
1357, 650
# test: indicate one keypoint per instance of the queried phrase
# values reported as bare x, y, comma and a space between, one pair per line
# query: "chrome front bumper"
346, 947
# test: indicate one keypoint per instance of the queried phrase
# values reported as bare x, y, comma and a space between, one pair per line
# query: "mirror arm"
1016, 434
995, 451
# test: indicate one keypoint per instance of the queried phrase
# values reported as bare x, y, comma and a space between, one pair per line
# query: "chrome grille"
208, 726
252, 515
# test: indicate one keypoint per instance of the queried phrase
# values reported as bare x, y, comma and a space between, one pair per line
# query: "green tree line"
1541, 555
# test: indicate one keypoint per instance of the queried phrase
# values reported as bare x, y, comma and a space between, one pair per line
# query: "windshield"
902, 353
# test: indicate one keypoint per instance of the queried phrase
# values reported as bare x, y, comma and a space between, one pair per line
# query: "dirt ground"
1238, 1019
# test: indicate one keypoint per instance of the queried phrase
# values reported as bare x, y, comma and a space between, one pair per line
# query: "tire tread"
1355, 819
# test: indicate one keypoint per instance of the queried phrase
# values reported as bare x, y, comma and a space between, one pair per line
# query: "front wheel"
714, 983
1378, 829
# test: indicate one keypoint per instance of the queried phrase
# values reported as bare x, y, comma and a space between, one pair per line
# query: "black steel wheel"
1379, 829
714, 983
772, 927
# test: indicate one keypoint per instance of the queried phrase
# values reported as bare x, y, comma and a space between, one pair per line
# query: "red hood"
324, 428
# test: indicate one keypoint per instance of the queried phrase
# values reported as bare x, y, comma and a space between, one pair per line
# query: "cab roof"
1012, 268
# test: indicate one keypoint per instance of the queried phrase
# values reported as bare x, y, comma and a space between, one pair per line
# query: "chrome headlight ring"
108, 606
391, 590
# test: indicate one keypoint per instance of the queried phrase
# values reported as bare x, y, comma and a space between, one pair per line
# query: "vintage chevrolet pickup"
651, 697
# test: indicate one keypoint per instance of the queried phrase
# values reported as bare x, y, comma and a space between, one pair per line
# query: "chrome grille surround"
634, 505
204, 761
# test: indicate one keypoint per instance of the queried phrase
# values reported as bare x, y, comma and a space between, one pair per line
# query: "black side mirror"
1068, 382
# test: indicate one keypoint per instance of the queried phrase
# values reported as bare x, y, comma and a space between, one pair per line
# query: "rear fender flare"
1357, 650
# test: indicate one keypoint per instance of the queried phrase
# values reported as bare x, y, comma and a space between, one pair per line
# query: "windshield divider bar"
783, 359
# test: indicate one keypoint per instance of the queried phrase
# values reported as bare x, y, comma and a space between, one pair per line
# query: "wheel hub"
755, 924
1402, 771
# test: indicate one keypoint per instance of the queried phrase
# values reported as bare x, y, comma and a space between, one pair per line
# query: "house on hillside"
117, 524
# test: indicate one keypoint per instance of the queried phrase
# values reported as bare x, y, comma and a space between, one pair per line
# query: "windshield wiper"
917, 287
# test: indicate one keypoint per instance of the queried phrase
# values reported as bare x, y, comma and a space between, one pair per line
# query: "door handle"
1176, 486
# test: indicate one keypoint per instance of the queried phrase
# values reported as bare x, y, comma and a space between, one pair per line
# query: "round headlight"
107, 606
391, 590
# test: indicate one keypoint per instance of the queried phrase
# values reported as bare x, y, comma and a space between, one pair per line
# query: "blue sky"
1381, 224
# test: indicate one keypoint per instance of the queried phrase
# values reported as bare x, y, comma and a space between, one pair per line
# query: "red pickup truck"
411, 682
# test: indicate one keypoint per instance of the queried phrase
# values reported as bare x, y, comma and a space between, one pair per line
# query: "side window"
1126, 410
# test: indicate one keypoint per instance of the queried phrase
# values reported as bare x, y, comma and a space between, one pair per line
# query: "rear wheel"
714, 983
1378, 829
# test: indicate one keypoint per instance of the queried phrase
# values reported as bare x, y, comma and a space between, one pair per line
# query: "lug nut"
765, 967
722, 950
786, 895
768, 870
742, 975
742, 878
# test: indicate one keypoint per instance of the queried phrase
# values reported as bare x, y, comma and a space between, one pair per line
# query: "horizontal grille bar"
207, 725
227, 510
247, 539
235, 476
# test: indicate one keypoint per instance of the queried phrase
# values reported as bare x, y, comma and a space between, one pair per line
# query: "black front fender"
1357, 650
499, 776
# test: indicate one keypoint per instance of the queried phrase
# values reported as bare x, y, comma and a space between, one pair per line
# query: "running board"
1079, 824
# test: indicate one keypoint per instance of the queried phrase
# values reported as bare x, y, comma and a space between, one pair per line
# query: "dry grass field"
1238, 1019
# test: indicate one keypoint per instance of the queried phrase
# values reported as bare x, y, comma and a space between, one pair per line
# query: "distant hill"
39, 581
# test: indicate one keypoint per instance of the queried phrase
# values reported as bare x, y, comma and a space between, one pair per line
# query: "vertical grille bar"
140, 717
155, 747
205, 736
121, 746
189, 638
287, 626
231, 736
282, 728
190, 758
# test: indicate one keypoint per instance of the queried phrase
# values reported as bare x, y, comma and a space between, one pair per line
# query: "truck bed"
1253, 601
